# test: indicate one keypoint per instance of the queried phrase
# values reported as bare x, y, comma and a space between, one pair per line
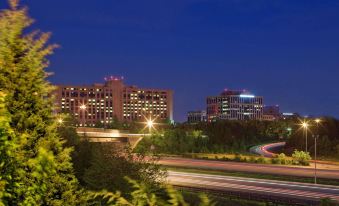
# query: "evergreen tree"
6, 148
42, 173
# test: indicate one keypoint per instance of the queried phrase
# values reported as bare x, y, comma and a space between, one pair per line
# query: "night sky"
284, 50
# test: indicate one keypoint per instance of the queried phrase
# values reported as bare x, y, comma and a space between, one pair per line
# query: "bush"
281, 159
275, 161
301, 158
262, 160
238, 158
252, 159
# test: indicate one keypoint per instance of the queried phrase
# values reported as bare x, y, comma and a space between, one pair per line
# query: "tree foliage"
109, 165
42, 170
141, 196
216, 137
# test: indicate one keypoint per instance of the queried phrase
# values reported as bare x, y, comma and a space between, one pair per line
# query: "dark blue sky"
285, 50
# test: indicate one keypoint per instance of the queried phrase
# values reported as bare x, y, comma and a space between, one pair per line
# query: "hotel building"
113, 99
234, 105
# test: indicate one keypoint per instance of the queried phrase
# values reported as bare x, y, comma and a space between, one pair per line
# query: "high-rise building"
112, 99
235, 105
196, 116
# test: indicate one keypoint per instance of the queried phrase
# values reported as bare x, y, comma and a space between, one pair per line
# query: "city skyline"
284, 51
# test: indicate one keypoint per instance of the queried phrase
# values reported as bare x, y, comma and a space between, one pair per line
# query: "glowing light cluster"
246, 96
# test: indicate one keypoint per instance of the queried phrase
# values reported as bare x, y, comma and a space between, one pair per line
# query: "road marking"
253, 181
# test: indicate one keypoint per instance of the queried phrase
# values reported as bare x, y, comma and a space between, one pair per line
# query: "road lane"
270, 188
250, 167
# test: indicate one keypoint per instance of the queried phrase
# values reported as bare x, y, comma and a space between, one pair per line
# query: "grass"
255, 175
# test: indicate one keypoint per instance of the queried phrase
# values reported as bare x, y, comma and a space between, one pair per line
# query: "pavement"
322, 171
285, 191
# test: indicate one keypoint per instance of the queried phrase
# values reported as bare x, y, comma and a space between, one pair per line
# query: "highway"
250, 167
287, 192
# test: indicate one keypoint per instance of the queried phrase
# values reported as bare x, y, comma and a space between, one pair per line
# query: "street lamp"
83, 108
305, 126
317, 121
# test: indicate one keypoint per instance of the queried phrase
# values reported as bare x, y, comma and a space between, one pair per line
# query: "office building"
196, 116
271, 113
113, 99
234, 105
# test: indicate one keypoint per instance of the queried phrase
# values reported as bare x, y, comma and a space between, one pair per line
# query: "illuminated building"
196, 116
234, 105
112, 99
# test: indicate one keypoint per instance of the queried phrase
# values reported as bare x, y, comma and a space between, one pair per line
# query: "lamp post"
305, 126
315, 159
83, 109
317, 121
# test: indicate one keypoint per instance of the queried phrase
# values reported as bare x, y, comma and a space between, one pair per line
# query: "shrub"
261, 160
275, 161
301, 158
238, 158
282, 158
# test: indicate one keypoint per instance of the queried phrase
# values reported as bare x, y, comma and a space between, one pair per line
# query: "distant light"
318, 121
288, 114
60, 121
246, 96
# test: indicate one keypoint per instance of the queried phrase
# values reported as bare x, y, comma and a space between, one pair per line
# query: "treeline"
327, 132
216, 137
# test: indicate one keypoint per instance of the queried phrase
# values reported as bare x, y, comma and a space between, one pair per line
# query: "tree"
43, 170
6, 152
111, 163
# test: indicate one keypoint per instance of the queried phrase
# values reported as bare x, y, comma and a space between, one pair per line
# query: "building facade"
196, 116
271, 113
113, 99
234, 105
273, 110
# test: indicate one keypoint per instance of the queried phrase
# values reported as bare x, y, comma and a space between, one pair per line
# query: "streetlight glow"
305, 125
150, 123
83, 107
60, 121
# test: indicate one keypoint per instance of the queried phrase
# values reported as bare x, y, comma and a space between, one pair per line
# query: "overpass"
110, 135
